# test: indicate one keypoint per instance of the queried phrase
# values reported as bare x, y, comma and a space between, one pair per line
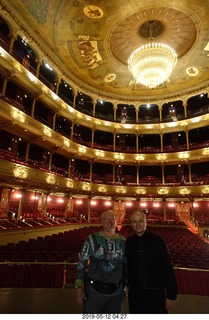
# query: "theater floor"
62, 301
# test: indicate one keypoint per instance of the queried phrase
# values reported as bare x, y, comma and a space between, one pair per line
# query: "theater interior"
103, 105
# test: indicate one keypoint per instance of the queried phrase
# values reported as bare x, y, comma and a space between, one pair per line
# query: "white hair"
105, 213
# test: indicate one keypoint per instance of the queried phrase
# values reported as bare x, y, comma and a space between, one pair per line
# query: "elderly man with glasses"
101, 271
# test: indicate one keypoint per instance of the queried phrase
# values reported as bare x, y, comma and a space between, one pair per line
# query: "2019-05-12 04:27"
104, 316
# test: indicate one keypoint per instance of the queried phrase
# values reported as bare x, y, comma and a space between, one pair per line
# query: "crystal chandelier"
152, 63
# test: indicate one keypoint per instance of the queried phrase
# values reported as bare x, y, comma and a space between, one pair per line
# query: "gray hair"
107, 212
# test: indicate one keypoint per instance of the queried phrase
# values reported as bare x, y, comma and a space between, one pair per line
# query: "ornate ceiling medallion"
93, 12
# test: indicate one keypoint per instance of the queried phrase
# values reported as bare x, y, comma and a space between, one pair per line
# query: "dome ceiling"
94, 39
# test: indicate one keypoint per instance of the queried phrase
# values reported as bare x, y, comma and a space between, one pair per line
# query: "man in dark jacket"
151, 277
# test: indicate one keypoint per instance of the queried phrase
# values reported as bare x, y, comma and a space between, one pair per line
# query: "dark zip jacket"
149, 264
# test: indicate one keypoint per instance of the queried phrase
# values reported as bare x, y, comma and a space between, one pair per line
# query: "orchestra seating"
187, 249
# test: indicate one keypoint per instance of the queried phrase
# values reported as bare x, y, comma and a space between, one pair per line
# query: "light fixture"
152, 63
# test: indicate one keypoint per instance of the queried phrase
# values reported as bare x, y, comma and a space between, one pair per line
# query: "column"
19, 211
92, 138
50, 161
114, 110
90, 172
164, 208
68, 205
11, 44
89, 209
44, 203
4, 86
163, 174
187, 139
94, 106
137, 203
137, 113
192, 209
69, 168
161, 142
71, 136
5, 201
27, 152
57, 85
185, 108
160, 111
137, 142
137, 174
33, 106
113, 173
114, 140
54, 121
38, 67
190, 172
74, 100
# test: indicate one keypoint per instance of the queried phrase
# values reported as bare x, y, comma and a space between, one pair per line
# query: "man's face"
138, 222
109, 222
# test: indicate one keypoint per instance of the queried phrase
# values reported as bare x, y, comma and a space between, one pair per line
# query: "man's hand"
80, 296
125, 290
169, 304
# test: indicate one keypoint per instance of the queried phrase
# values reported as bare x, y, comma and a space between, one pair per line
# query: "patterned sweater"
102, 258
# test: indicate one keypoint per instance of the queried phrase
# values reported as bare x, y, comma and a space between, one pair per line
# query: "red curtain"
193, 282
53, 276
31, 276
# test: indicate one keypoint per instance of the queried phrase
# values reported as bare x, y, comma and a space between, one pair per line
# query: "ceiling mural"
38, 9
